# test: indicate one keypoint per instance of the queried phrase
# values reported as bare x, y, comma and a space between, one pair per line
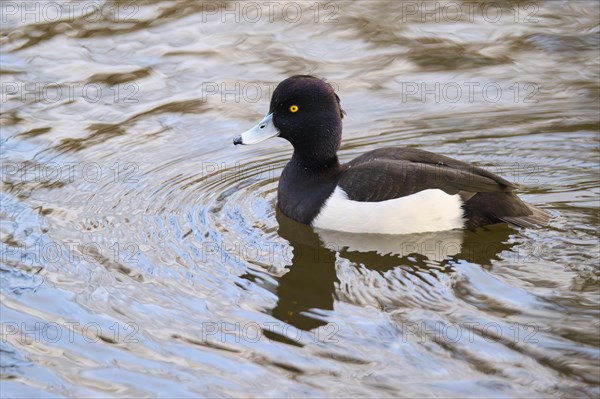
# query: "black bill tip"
237, 140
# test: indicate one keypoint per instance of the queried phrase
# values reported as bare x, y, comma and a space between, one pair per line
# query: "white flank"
425, 211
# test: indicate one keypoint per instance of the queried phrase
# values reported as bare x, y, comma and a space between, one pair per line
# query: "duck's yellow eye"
294, 108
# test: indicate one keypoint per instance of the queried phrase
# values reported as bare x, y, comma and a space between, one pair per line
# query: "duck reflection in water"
310, 284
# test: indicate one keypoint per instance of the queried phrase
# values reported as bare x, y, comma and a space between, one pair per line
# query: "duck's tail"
536, 219
488, 208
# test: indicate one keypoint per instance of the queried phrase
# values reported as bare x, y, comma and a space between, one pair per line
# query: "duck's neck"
305, 185
317, 154
316, 164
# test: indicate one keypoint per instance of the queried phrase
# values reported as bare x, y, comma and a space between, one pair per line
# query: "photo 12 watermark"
469, 332
238, 171
70, 252
270, 11
90, 11
69, 172
256, 253
68, 332
469, 92
59, 92
271, 252
242, 92
493, 12
252, 332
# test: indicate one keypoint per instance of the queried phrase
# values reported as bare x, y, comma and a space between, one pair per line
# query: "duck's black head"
306, 112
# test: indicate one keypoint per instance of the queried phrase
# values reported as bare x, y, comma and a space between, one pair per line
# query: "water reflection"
310, 283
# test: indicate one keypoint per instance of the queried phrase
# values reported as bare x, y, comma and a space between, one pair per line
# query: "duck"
391, 190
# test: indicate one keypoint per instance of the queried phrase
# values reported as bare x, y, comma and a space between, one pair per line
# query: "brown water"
142, 254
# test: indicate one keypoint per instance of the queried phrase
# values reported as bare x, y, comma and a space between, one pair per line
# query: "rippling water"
142, 254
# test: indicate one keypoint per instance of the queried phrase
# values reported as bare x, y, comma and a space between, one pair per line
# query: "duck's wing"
395, 172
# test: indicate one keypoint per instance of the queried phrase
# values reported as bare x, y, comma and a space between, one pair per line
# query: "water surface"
142, 253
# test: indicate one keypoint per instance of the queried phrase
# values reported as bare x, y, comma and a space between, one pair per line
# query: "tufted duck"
386, 191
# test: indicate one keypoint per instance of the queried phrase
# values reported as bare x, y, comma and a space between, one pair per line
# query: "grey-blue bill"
265, 129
